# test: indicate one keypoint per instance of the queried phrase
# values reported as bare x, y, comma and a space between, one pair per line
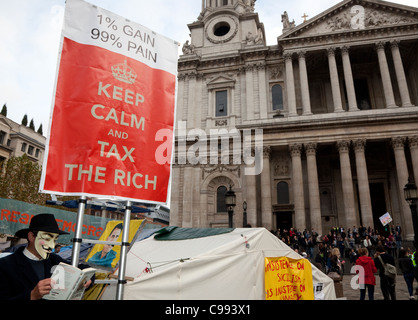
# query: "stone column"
249, 85
402, 175
335, 82
175, 197
191, 101
262, 90
290, 84
266, 206
304, 84
347, 184
413, 148
180, 97
187, 213
349, 83
400, 74
363, 183
297, 186
384, 71
251, 197
313, 187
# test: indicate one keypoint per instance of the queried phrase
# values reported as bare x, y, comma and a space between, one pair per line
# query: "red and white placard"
112, 117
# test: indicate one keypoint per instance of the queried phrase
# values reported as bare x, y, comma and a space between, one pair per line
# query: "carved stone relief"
372, 18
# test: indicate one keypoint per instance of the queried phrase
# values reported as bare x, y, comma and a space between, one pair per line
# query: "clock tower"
225, 27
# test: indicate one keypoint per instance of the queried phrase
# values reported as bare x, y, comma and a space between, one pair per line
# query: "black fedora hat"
42, 222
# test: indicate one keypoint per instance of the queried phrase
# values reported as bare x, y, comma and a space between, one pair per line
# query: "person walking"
387, 285
407, 268
368, 281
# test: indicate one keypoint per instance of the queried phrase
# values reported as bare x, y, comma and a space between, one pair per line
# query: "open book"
68, 282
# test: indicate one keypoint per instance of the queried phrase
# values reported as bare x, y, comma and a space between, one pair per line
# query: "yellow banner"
288, 279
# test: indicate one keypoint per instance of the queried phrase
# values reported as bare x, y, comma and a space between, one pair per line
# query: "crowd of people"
361, 246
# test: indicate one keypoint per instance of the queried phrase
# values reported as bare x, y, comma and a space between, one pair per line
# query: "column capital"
311, 148
398, 142
380, 45
266, 152
345, 50
301, 54
413, 142
261, 66
295, 149
288, 55
394, 43
343, 145
359, 145
331, 51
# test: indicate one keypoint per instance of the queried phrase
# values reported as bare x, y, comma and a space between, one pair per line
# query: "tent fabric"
226, 266
176, 233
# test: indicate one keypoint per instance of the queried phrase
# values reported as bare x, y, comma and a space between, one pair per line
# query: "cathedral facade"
316, 131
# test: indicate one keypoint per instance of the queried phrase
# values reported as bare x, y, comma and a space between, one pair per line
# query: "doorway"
284, 220
378, 199
362, 94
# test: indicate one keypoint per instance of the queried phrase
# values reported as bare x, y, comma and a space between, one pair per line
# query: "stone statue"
286, 23
188, 48
254, 39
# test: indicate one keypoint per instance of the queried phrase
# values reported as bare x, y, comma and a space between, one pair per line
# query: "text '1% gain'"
109, 22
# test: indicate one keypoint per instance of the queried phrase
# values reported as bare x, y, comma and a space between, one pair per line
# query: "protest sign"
385, 219
288, 279
16, 215
111, 128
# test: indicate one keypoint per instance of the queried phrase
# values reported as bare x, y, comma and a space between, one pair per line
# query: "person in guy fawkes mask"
26, 274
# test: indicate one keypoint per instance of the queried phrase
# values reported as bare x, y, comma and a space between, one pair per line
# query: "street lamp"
244, 215
411, 196
230, 201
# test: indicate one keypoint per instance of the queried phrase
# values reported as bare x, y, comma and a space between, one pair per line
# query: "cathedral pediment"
353, 15
6, 122
221, 81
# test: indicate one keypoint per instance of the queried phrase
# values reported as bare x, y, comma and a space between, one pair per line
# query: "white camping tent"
227, 266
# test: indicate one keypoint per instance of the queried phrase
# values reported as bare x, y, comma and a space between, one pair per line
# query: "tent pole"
78, 232
124, 251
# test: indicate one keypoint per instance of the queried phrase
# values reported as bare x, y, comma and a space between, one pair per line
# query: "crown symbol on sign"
124, 73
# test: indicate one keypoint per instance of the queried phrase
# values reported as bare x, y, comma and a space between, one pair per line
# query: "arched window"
277, 97
220, 199
282, 193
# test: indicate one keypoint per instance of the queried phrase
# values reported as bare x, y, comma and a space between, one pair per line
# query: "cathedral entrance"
284, 220
378, 199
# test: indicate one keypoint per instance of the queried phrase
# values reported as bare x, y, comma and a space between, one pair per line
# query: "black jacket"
387, 258
17, 278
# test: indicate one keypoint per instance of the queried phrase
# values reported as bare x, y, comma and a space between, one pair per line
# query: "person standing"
415, 264
368, 281
387, 285
407, 268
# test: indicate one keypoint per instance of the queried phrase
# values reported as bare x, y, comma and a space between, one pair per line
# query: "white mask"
45, 243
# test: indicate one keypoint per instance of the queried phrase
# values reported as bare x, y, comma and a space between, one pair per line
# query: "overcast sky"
30, 33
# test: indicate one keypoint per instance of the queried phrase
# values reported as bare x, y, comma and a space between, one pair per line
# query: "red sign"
110, 105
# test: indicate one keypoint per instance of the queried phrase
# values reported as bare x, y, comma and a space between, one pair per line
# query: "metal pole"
124, 251
413, 207
230, 217
78, 232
